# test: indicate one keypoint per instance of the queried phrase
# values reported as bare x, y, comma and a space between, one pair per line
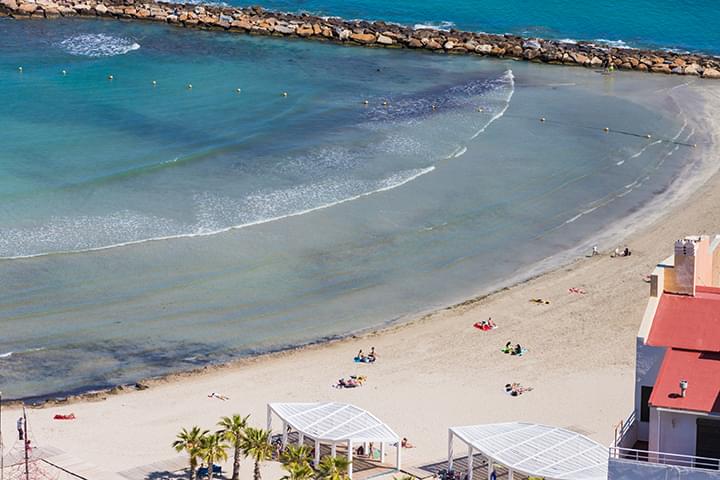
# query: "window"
645, 393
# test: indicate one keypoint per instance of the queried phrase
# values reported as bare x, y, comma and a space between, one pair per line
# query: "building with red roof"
674, 431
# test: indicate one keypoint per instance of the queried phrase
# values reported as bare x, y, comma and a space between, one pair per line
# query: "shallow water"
671, 24
146, 229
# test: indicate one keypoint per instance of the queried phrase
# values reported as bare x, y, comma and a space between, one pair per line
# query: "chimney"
681, 278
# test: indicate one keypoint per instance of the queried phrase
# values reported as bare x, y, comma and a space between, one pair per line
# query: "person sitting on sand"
372, 354
517, 350
406, 443
508, 347
360, 355
626, 252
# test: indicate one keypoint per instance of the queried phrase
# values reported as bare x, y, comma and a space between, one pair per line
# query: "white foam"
393, 181
440, 26
511, 78
98, 45
613, 43
6, 355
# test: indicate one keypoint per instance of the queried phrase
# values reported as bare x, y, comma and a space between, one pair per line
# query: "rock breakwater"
258, 21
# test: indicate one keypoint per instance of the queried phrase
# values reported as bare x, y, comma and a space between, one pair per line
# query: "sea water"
164, 204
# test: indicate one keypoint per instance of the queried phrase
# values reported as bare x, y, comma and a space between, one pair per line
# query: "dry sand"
433, 373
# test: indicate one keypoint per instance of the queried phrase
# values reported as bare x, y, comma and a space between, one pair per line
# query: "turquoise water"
683, 25
150, 228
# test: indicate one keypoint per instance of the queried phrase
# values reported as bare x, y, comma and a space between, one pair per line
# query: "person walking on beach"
21, 428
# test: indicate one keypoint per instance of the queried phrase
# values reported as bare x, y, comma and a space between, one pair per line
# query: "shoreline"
682, 188
378, 34
580, 360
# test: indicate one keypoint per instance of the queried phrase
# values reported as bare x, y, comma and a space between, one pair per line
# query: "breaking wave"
98, 45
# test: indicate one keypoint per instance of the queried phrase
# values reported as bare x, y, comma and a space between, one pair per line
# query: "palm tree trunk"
193, 470
211, 464
236, 463
256, 472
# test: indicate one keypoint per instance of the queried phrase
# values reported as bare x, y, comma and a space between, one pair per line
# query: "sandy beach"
432, 373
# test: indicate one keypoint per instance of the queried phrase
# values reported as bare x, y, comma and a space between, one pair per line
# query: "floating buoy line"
434, 107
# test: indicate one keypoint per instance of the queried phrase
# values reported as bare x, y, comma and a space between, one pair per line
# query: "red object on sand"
64, 417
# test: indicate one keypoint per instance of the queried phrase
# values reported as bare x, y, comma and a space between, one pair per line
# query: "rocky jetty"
258, 21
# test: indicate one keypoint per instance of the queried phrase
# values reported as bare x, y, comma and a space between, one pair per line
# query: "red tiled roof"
702, 372
685, 322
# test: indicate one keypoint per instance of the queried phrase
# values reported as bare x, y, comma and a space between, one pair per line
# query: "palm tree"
213, 448
333, 468
298, 471
233, 430
256, 445
190, 441
298, 454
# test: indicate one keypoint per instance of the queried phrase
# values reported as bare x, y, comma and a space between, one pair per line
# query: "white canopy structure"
334, 424
533, 450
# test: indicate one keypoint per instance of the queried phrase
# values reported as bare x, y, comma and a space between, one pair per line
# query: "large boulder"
9, 4
711, 73
26, 8
484, 48
305, 30
285, 29
414, 43
692, 69
101, 9
364, 38
596, 62
384, 40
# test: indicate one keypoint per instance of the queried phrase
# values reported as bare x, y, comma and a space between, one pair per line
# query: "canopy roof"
538, 450
334, 422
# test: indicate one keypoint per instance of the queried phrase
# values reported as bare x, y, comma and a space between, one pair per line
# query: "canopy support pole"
450, 450
491, 466
317, 453
269, 418
333, 450
349, 457
301, 438
382, 452
398, 454
470, 462
511, 474
284, 435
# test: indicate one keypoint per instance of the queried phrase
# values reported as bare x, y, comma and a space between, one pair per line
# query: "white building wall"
630, 470
672, 432
647, 366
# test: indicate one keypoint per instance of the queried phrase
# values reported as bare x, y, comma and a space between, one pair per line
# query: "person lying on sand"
621, 253
515, 389
485, 325
577, 290
218, 396
540, 301
406, 443
517, 350
351, 382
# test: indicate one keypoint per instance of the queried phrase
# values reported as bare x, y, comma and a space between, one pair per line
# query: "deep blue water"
692, 25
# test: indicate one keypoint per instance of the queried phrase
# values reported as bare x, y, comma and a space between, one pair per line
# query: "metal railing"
624, 428
663, 458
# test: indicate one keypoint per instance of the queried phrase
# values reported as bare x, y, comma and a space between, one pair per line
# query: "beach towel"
60, 416
484, 327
